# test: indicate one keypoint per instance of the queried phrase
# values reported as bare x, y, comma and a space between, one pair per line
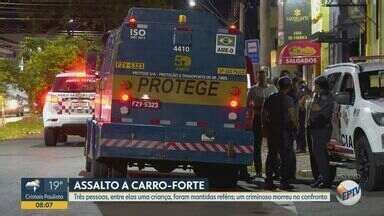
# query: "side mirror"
343, 98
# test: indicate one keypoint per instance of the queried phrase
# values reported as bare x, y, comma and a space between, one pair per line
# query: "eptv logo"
348, 193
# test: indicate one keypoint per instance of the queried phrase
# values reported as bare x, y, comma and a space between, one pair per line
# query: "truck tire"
164, 167
221, 176
119, 169
99, 169
371, 175
50, 136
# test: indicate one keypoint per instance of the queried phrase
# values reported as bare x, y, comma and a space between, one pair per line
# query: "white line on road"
290, 206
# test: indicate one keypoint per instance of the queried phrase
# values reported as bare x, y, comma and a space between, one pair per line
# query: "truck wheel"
224, 176
164, 167
371, 175
50, 136
99, 169
119, 169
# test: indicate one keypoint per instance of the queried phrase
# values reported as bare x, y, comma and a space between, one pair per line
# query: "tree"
7, 69
44, 58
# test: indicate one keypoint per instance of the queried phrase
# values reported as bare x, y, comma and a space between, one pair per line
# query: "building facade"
374, 28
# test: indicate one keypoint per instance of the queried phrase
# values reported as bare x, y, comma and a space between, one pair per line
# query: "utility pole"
265, 41
242, 16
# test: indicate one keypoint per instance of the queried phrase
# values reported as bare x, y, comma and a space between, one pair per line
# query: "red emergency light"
232, 29
132, 22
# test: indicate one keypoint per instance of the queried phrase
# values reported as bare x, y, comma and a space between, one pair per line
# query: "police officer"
308, 138
280, 119
293, 93
320, 126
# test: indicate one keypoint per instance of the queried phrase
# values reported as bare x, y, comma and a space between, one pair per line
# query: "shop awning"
328, 37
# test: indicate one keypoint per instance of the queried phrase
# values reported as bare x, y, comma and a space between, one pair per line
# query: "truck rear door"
175, 75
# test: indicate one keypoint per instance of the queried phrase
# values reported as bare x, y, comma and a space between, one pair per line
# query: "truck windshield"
74, 84
372, 84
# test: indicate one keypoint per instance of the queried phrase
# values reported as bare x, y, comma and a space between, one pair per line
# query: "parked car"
13, 106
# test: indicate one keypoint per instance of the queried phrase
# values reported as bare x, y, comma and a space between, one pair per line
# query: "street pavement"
30, 158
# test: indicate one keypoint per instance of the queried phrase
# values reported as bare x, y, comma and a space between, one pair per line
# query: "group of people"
283, 115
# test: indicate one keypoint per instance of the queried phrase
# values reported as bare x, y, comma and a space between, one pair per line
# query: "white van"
358, 120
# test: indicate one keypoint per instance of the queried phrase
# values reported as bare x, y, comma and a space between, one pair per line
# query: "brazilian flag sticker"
226, 44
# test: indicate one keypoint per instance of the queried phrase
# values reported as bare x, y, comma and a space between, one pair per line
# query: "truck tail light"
202, 123
155, 121
234, 103
232, 29
125, 97
51, 99
132, 22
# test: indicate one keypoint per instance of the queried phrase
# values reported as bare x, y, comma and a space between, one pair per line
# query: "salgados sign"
300, 52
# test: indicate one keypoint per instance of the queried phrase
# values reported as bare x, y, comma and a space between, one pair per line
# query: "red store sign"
300, 52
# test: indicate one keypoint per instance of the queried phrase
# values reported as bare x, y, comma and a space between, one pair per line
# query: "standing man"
303, 95
293, 93
280, 120
308, 137
320, 126
257, 95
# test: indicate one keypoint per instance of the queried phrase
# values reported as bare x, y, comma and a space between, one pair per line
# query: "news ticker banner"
56, 193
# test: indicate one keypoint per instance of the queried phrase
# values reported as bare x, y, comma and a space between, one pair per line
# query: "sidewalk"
303, 166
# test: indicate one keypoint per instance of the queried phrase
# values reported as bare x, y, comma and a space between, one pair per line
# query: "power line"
223, 20
214, 7
35, 4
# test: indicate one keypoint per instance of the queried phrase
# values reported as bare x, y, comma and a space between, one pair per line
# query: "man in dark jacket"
280, 118
320, 126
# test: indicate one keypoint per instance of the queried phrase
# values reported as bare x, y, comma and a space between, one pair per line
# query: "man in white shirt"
257, 95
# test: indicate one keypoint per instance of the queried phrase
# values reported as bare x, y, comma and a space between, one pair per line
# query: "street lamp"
192, 3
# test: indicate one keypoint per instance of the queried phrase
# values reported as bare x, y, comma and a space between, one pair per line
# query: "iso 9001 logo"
348, 193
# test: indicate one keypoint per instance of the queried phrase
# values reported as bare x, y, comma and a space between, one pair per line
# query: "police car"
68, 106
358, 120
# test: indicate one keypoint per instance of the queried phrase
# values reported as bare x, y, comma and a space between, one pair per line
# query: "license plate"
80, 111
148, 104
79, 105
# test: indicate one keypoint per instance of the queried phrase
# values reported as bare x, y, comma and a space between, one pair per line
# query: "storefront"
305, 54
